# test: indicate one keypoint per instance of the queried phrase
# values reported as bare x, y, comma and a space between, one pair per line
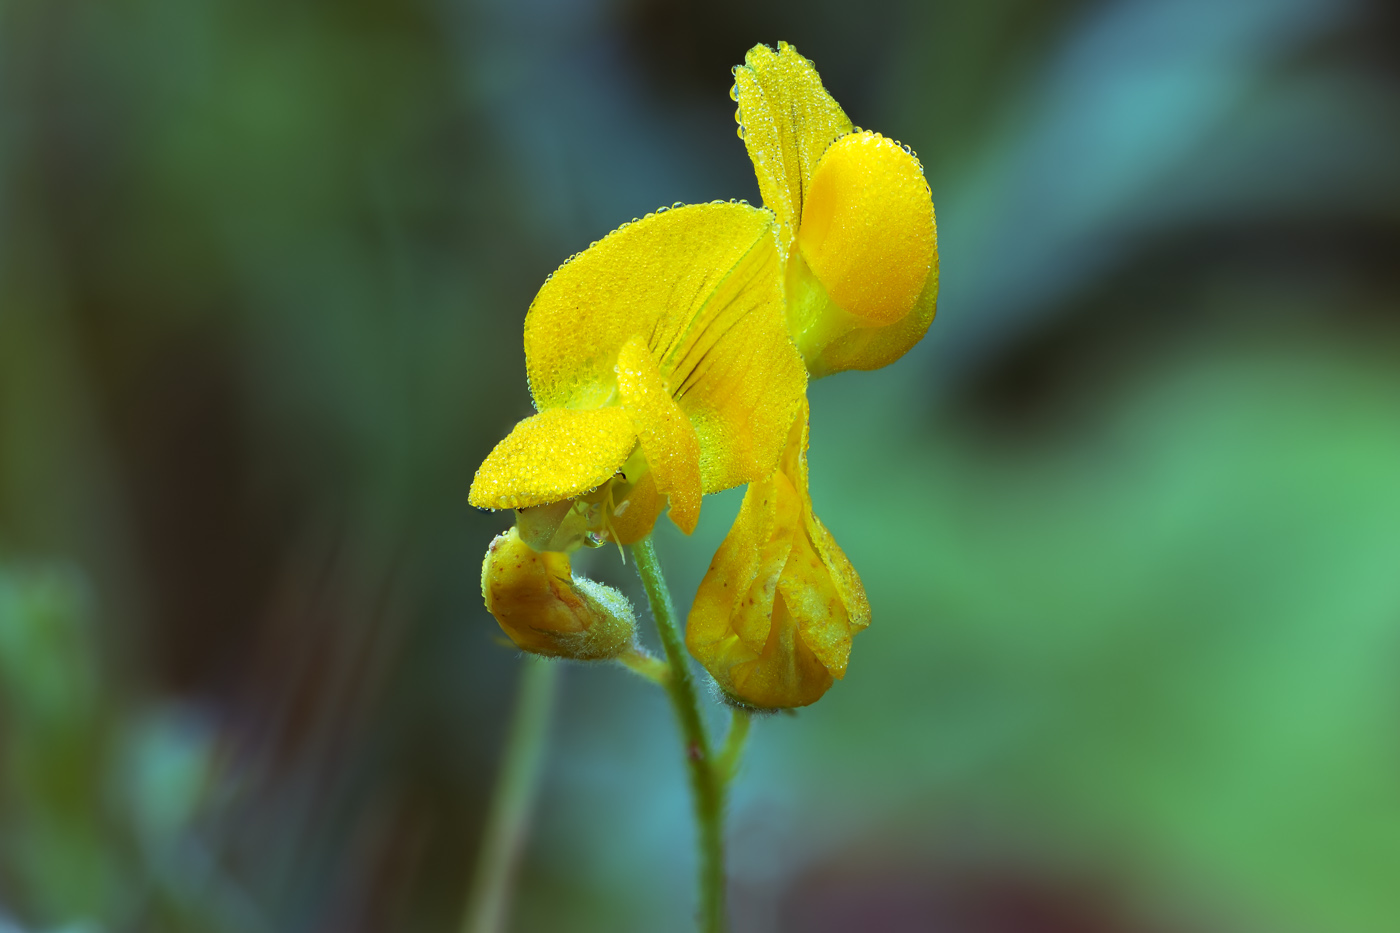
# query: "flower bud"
547, 610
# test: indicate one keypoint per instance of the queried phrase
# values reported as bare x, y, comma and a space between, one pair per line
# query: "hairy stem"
727, 763
706, 781
644, 665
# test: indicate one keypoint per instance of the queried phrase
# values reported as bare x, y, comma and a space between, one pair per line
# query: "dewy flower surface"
775, 614
774, 617
670, 360
855, 217
668, 336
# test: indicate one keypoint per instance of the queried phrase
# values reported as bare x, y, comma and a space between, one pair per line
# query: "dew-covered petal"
867, 232
774, 616
859, 347
844, 579
649, 278
558, 454
743, 626
668, 440
787, 120
736, 374
731, 617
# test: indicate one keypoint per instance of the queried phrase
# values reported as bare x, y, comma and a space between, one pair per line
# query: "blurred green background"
1129, 518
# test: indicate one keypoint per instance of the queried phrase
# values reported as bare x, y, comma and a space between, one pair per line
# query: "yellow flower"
661, 368
773, 619
856, 221
670, 360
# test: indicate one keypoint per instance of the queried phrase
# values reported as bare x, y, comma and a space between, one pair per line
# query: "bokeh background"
1129, 517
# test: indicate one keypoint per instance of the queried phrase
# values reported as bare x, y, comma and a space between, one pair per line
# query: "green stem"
706, 782
728, 761
644, 665
507, 822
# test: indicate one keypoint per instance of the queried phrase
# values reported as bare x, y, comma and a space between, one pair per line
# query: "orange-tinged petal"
867, 232
555, 455
787, 120
746, 626
546, 610
668, 440
826, 632
774, 616
635, 509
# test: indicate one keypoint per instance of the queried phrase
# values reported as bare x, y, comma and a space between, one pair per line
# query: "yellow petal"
875, 347
825, 630
787, 120
700, 286
774, 616
744, 626
867, 233
555, 455
636, 506
649, 278
546, 610
669, 442
737, 375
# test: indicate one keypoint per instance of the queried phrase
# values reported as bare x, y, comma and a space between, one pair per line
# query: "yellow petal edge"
552, 456
787, 121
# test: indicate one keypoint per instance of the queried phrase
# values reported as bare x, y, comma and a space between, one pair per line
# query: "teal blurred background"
1129, 518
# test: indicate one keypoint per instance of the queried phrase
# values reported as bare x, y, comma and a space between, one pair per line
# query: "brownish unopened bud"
547, 610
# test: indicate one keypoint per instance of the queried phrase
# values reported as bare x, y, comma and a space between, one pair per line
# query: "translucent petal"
867, 232
774, 616
732, 616
555, 455
787, 120
669, 442
827, 632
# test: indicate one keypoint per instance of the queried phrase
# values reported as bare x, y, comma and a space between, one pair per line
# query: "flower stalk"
707, 779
